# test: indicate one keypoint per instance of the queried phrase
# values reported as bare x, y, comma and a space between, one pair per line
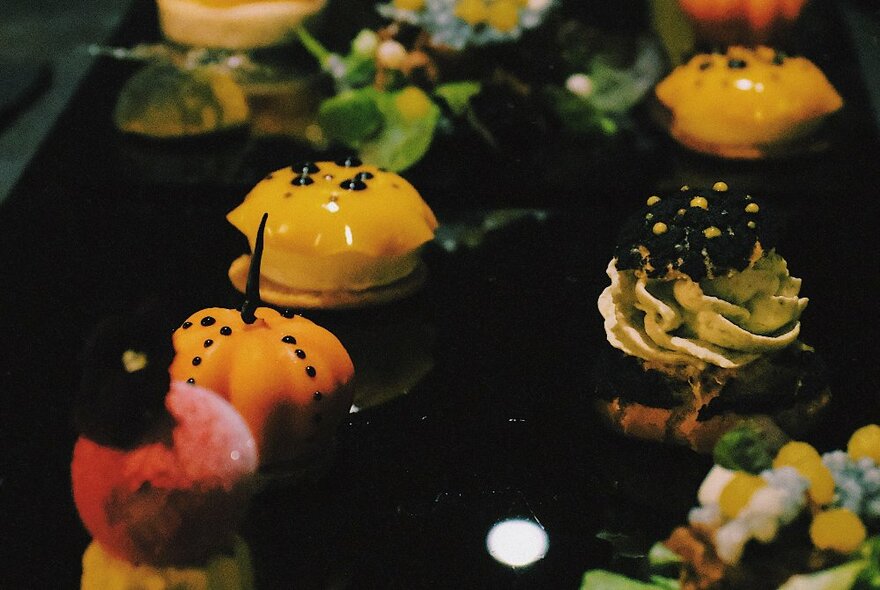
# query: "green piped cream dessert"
703, 319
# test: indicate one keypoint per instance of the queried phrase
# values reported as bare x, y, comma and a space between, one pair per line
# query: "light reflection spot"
517, 542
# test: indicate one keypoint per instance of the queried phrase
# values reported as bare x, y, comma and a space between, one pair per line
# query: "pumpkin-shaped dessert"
741, 21
289, 378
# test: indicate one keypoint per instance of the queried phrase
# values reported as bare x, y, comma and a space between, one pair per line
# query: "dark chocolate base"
794, 376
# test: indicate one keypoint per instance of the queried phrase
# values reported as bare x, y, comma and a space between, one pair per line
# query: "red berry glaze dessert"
162, 471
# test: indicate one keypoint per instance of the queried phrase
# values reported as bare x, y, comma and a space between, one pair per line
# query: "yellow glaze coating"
387, 218
288, 377
744, 103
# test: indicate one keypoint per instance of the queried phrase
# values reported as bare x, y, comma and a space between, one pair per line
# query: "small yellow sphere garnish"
711, 232
752, 208
653, 200
503, 15
409, 4
720, 187
821, 481
660, 228
680, 212
865, 442
795, 453
412, 103
700, 202
752, 225
838, 530
738, 491
473, 12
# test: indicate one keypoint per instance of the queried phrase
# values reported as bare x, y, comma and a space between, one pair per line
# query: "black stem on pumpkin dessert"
252, 289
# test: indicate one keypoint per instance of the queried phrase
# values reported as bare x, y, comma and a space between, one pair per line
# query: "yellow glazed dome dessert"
233, 24
747, 104
340, 234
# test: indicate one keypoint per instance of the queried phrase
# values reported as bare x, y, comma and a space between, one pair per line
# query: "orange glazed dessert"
340, 234
741, 21
747, 103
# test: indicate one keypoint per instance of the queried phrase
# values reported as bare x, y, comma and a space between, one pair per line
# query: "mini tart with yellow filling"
340, 234
748, 103
233, 24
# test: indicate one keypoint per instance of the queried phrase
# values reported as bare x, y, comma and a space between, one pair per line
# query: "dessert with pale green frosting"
700, 304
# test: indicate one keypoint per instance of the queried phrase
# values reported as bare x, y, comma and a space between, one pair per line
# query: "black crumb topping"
700, 232
125, 381
736, 64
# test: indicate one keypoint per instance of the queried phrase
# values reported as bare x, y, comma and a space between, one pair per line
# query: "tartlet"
748, 104
340, 234
703, 320
768, 518
233, 24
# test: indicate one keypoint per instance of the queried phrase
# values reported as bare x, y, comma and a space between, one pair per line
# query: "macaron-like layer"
233, 24
338, 233
694, 232
176, 498
289, 378
747, 103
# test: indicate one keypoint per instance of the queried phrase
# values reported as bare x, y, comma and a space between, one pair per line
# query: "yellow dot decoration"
653, 200
473, 12
409, 4
752, 225
711, 232
503, 15
700, 202
681, 212
738, 491
720, 187
752, 208
685, 188
865, 442
838, 530
660, 228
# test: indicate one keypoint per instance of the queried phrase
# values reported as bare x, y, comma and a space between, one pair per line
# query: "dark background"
99, 224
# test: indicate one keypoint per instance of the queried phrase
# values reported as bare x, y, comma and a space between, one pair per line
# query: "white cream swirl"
724, 321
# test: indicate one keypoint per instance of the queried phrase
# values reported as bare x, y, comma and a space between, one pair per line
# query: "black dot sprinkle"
705, 65
208, 342
187, 325
305, 167
317, 395
197, 361
310, 371
289, 340
300, 353
363, 175
736, 64
302, 180
208, 321
191, 381
349, 162
353, 184
288, 313
778, 58
226, 330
